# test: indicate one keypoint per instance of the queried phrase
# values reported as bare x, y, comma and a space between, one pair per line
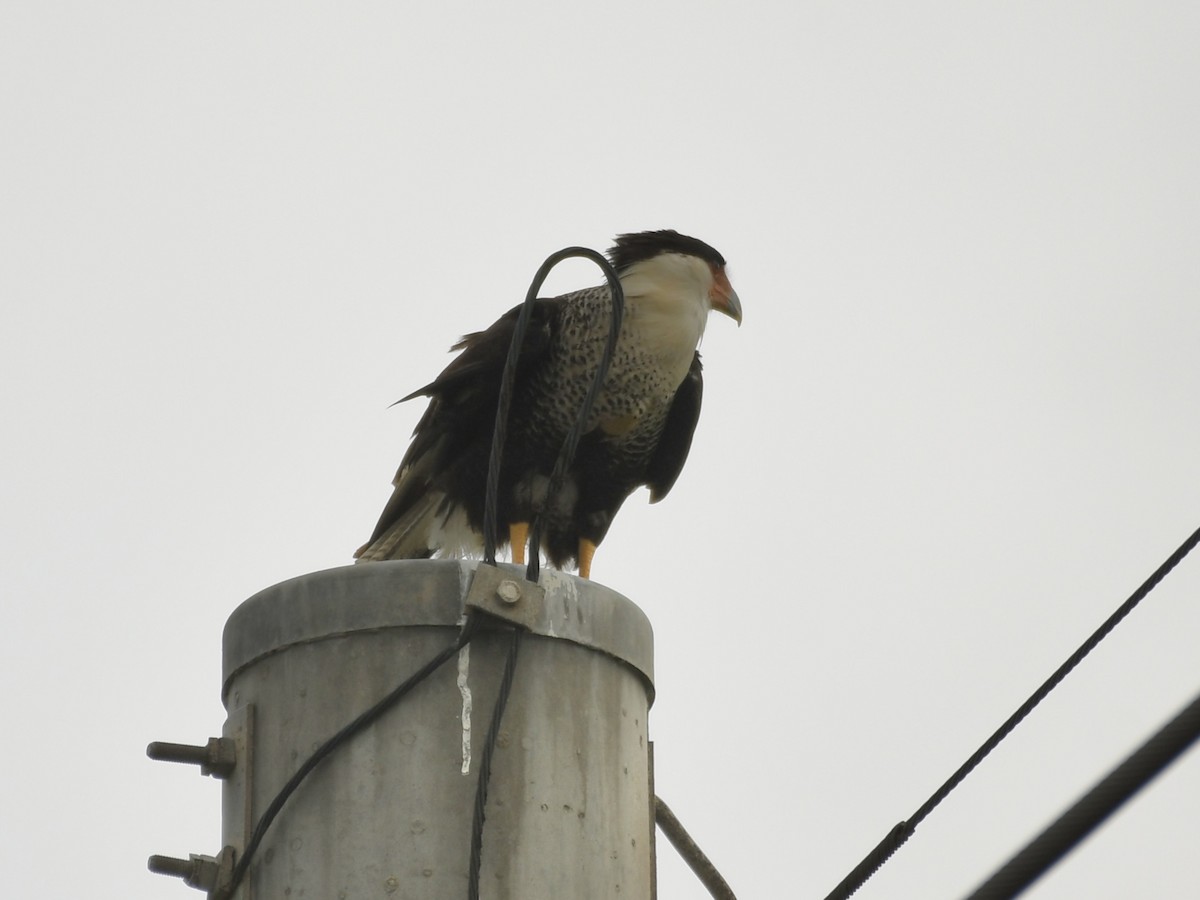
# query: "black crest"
635, 248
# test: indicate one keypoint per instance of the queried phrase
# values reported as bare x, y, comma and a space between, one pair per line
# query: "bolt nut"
508, 591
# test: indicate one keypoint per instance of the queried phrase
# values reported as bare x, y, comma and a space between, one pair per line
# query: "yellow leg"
518, 537
586, 551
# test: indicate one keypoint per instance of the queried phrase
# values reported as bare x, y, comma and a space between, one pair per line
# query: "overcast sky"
960, 424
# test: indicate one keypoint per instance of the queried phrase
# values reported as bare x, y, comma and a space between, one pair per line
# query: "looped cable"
567, 453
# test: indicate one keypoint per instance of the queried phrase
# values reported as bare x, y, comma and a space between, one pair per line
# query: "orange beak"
724, 298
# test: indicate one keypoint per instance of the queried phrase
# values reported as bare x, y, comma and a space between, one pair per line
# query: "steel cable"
903, 830
485, 764
691, 853
1094, 807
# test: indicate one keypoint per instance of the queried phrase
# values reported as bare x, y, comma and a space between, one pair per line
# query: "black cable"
500, 432
1094, 807
504, 401
903, 830
571, 442
485, 764
348, 731
700, 864
565, 455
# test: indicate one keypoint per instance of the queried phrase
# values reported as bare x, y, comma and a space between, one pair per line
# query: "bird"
639, 431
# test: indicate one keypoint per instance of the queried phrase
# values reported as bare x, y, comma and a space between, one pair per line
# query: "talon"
586, 551
518, 536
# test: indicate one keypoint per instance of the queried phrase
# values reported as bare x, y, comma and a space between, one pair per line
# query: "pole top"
425, 592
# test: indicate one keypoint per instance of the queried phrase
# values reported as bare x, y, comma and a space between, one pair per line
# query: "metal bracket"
238, 790
506, 595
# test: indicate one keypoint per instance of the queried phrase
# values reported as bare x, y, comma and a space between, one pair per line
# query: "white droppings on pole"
562, 586
464, 688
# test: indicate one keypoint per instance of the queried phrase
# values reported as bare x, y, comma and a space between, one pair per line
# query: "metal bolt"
203, 872
508, 591
217, 758
187, 869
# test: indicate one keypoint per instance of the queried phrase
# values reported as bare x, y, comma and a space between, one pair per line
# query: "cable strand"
485, 764
567, 453
504, 400
490, 525
1087, 813
344, 734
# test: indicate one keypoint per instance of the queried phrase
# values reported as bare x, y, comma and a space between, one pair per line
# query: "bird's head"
668, 263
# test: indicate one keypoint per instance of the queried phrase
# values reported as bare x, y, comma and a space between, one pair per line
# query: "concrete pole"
570, 809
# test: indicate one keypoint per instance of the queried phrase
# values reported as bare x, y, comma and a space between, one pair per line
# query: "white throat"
667, 305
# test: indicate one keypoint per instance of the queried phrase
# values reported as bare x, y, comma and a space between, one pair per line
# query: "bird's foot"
518, 537
586, 551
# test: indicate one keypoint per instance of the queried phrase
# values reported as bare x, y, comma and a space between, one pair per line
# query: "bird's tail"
432, 524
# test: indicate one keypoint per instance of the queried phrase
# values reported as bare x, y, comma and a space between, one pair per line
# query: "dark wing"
672, 450
453, 437
467, 391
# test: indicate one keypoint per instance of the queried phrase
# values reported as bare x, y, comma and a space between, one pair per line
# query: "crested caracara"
639, 432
